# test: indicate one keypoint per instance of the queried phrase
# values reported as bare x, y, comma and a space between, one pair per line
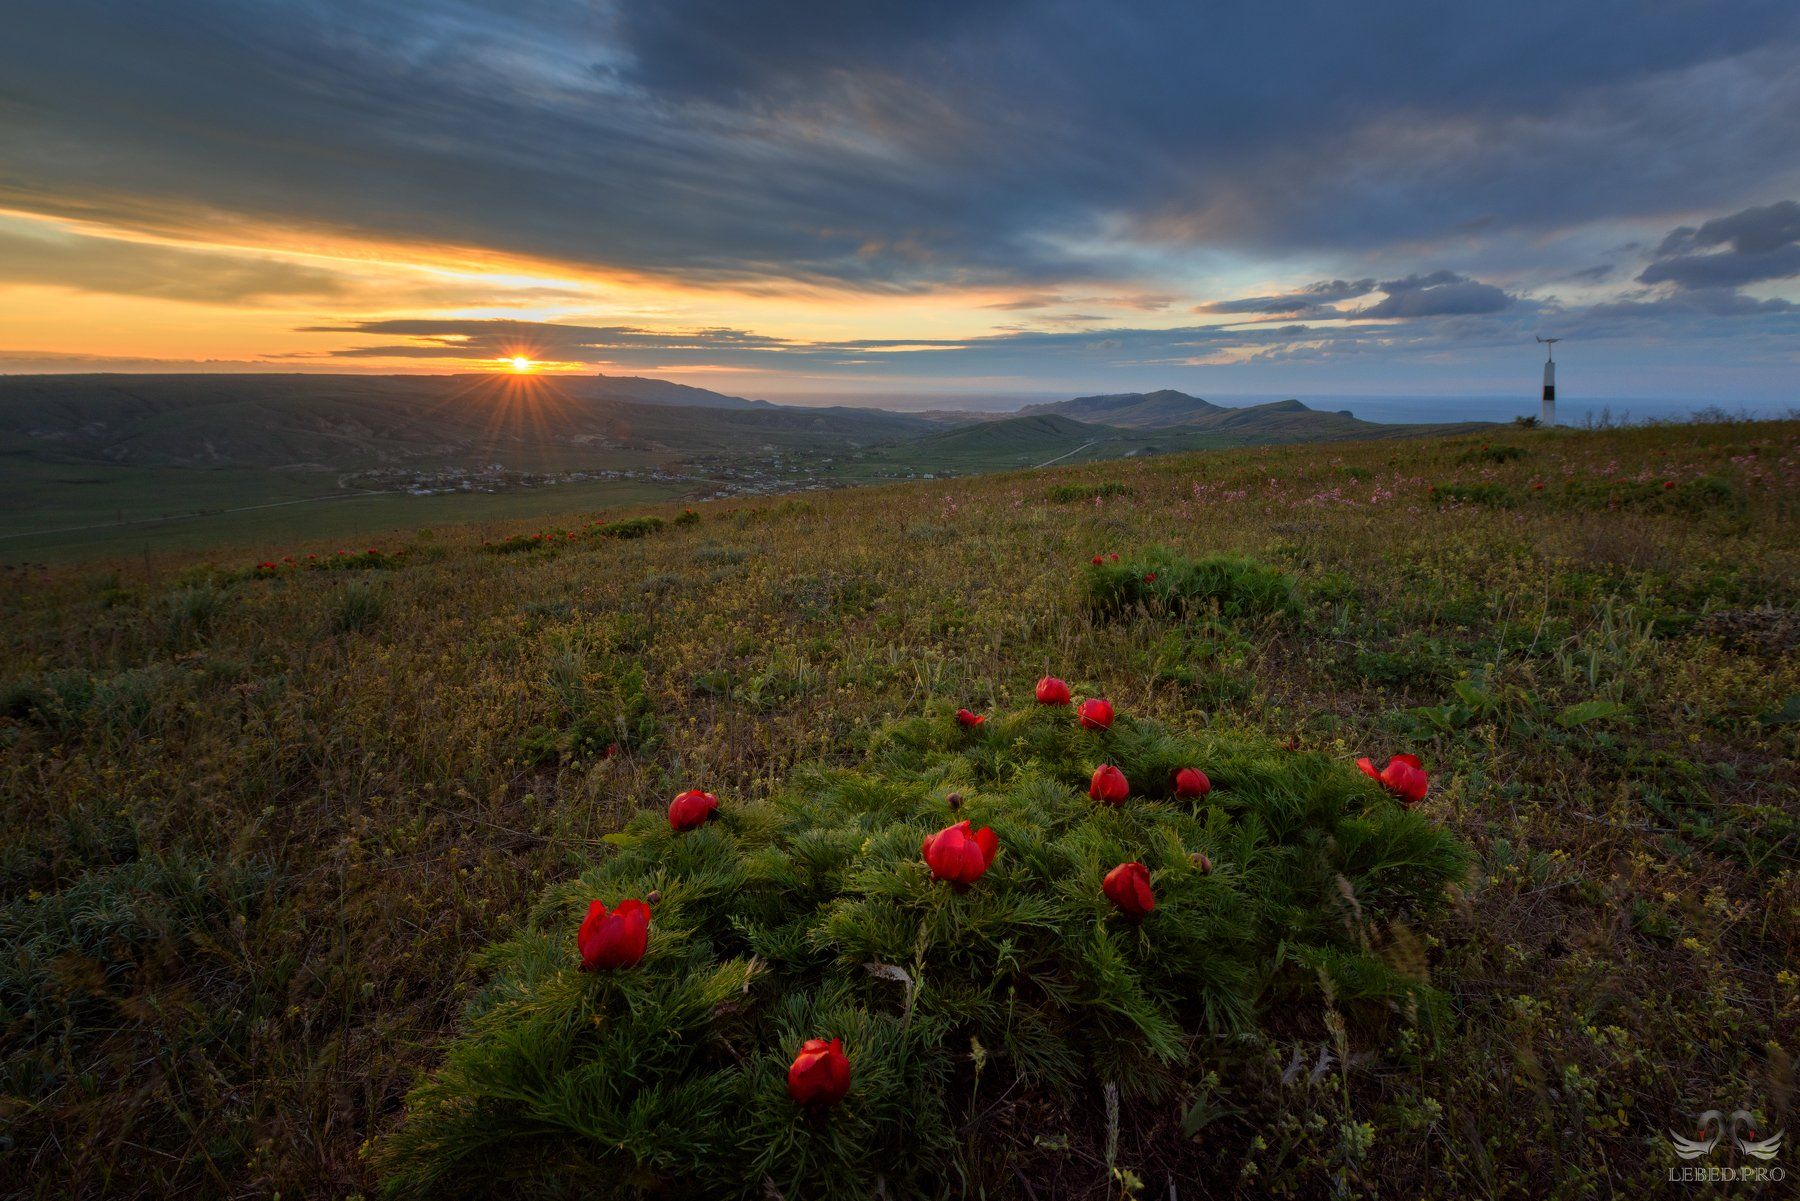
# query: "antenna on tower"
1547, 414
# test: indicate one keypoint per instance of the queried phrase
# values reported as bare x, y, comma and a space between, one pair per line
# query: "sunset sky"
942, 196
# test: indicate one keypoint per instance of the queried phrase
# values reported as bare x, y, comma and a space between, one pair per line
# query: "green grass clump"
1064, 494
84, 963
1490, 495
1492, 454
1168, 583
811, 914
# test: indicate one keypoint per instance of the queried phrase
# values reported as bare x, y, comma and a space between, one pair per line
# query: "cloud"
30, 254
1752, 231
1309, 299
893, 147
1746, 247
1439, 294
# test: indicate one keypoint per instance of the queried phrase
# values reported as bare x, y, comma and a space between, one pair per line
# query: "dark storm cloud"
1747, 247
896, 146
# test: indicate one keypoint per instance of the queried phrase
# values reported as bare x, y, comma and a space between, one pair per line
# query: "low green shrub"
628, 527
811, 915
1165, 582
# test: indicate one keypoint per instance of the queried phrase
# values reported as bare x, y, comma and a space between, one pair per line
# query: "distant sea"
1571, 411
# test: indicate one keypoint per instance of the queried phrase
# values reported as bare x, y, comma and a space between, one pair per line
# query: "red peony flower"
1404, 776
1128, 887
1191, 782
1109, 785
1098, 559
820, 1074
1149, 577
968, 720
1052, 691
1096, 713
692, 809
1114, 556
1668, 483
958, 855
616, 939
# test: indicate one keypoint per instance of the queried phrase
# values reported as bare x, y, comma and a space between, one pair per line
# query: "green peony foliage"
812, 915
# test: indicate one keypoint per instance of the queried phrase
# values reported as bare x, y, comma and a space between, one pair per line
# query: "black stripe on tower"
1549, 391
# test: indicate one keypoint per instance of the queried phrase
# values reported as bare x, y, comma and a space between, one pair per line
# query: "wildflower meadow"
1363, 819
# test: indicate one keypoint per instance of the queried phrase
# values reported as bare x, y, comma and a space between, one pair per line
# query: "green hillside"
299, 848
109, 464
999, 445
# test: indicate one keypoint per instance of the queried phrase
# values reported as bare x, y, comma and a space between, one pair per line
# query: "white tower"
1547, 415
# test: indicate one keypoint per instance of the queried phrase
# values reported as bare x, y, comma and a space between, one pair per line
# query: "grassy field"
244, 512
260, 824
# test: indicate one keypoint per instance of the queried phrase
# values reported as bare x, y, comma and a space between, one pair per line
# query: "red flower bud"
1096, 714
1052, 691
820, 1074
692, 809
1149, 577
960, 855
1109, 785
1097, 560
1191, 782
1128, 887
968, 720
616, 939
1404, 776
1114, 556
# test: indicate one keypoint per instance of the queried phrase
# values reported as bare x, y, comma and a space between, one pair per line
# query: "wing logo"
1747, 1142
1739, 1131
1708, 1130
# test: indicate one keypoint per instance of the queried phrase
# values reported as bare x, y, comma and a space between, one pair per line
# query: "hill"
1047, 434
296, 854
344, 422
1201, 423
656, 391
1132, 410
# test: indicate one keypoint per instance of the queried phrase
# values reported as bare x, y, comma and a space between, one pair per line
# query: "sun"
521, 365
